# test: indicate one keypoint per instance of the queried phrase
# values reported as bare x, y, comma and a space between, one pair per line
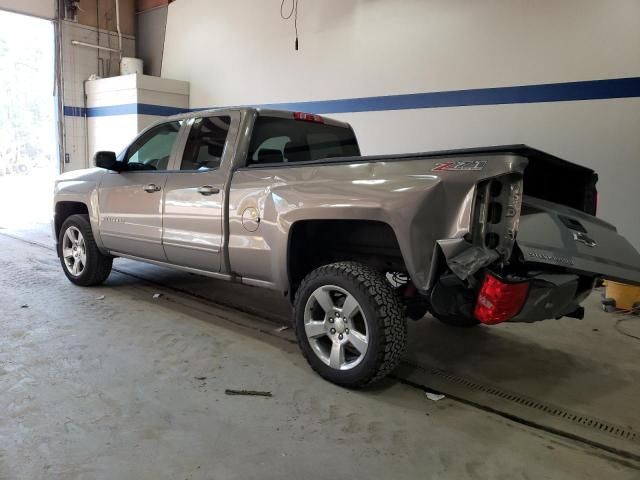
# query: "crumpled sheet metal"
471, 260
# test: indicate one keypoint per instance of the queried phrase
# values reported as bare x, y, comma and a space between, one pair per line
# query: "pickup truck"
284, 201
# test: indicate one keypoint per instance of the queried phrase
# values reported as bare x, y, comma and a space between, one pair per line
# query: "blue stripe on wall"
125, 109
550, 92
73, 111
161, 110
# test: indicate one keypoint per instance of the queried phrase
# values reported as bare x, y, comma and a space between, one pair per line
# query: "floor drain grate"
578, 418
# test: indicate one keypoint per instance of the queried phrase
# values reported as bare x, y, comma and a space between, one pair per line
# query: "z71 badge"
460, 165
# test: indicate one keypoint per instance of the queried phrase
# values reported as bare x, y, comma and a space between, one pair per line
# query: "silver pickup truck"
284, 201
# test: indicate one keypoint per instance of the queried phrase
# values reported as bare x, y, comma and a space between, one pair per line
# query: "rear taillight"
499, 301
308, 117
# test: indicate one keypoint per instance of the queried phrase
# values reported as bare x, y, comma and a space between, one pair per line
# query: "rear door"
130, 202
194, 197
553, 234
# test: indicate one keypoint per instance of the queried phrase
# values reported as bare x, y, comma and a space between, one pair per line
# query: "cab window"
153, 149
285, 140
271, 150
206, 143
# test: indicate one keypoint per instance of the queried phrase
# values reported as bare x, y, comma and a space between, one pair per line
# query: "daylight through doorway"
28, 139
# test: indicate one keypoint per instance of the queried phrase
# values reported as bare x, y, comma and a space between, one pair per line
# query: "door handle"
208, 190
151, 188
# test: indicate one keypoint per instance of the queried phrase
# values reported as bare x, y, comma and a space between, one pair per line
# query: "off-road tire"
387, 327
98, 265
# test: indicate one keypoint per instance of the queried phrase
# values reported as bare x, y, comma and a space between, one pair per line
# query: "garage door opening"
28, 138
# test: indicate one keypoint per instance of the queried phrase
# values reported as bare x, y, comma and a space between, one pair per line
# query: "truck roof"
270, 112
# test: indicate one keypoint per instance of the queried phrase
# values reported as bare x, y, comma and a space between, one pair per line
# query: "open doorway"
28, 138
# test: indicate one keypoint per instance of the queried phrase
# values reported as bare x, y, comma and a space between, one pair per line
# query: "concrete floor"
126, 386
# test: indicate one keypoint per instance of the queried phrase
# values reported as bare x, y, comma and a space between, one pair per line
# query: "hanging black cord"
294, 12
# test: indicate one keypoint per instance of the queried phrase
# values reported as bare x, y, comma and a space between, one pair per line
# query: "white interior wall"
242, 53
115, 132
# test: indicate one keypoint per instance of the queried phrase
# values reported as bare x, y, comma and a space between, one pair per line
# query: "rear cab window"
277, 140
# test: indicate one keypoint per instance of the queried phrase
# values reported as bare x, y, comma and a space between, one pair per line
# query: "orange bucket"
626, 296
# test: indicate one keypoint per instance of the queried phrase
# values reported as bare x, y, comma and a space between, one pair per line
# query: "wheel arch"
64, 209
316, 242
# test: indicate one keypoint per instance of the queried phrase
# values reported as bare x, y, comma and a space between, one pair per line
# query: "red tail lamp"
499, 301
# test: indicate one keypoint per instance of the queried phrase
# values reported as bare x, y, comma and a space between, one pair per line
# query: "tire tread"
386, 303
99, 265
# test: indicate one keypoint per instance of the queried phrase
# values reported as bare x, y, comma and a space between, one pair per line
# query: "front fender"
81, 186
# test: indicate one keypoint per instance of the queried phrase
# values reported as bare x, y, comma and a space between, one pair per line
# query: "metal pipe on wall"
118, 29
98, 47
59, 86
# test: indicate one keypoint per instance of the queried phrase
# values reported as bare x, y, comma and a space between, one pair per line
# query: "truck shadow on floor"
512, 357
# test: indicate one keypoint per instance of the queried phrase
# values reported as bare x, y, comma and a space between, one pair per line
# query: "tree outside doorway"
28, 139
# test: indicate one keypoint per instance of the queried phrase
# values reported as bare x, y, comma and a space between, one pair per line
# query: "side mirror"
106, 160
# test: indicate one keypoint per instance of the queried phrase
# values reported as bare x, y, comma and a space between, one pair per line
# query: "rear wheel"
83, 263
349, 323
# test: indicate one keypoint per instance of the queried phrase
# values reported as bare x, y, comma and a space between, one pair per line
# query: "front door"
194, 195
130, 202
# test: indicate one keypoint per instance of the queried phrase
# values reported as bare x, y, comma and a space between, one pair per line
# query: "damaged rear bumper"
553, 296
530, 298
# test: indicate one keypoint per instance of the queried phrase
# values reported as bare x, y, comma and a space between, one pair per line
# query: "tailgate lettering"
551, 258
460, 165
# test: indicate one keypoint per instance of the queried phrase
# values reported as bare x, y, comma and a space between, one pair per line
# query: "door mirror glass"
106, 160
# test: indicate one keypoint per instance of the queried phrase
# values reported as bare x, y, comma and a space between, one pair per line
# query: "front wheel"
350, 324
83, 263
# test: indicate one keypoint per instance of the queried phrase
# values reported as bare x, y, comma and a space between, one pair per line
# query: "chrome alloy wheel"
336, 327
74, 251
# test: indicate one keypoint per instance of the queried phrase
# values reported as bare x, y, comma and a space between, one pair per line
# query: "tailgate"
558, 235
